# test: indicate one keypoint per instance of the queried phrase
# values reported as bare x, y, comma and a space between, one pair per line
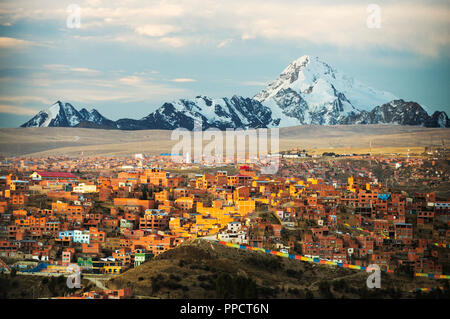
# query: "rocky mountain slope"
308, 91
65, 115
398, 112
312, 92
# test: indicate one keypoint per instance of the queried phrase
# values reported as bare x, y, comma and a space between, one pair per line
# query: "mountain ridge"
308, 91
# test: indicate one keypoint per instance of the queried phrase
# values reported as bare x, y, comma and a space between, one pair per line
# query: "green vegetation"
21, 286
269, 264
235, 287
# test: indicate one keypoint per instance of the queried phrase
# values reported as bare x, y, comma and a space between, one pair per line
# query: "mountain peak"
302, 60
307, 91
307, 61
61, 114
313, 92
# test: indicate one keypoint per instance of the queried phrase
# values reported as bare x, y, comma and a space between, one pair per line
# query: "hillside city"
107, 215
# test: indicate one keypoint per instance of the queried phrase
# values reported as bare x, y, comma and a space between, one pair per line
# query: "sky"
127, 57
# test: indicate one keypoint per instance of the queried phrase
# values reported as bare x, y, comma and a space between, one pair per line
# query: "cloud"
406, 25
67, 69
255, 83
409, 26
175, 42
84, 70
224, 43
17, 110
183, 80
7, 43
24, 99
56, 67
131, 80
100, 87
246, 36
156, 30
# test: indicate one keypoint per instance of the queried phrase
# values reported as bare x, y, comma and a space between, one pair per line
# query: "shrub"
340, 285
294, 273
235, 287
324, 289
309, 294
156, 283
174, 277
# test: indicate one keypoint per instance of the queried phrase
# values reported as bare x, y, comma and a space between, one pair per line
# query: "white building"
234, 227
234, 234
80, 237
83, 188
77, 236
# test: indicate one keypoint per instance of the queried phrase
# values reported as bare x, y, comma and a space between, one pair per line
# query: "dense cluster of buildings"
106, 215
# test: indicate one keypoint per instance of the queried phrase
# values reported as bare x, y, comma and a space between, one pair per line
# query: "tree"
324, 289
223, 286
309, 294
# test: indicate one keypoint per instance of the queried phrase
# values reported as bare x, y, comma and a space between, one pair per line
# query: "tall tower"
188, 157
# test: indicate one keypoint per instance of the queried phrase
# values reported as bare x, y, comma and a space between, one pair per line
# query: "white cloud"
101, 87
6, 42
246, 36
131, 80
156, 30
24, 99
67, 68
224, 43
175, 42
183, 80
85, 70
17, 110
255, 83
409, 25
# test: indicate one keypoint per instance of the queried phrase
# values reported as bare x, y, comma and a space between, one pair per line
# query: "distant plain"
74, 142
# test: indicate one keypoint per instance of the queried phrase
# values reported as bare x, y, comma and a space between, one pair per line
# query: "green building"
139, 258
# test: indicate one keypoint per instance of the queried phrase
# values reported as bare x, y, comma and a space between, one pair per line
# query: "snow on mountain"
237, 112
308, 91
396, 112
65, 115
312, 92
438, 119
59, 114
399, 112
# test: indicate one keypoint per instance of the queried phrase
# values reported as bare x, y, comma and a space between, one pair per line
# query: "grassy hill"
29, 286
204, 269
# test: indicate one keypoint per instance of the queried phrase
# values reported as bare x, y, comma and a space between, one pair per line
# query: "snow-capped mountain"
310, 91
237, 112
65, 115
